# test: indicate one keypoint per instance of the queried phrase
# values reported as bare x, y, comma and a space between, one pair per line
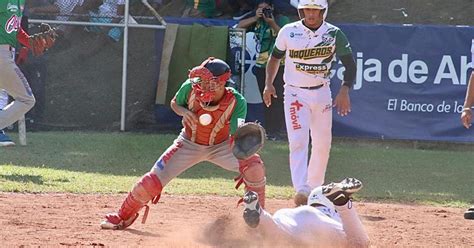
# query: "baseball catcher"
12, 79
211, 113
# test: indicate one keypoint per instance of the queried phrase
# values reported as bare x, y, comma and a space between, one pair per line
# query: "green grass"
81, 162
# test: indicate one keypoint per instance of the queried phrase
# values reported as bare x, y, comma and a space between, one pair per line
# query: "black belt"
312, 87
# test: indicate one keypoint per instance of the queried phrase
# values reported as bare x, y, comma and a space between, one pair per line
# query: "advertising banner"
411, 82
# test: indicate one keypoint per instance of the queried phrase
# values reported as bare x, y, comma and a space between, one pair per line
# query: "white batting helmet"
316, 197
312, 4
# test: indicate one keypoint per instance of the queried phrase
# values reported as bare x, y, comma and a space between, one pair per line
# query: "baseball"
205, 119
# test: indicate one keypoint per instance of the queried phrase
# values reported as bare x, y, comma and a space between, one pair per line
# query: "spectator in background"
265, 24
110, 11
61, 8
242, 8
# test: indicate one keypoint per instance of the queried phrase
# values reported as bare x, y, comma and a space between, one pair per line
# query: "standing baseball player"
211, 113
466, 115
310, 47
329, 219
12, 79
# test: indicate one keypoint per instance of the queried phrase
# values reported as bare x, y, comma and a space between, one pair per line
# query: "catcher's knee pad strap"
258, 184
144, 190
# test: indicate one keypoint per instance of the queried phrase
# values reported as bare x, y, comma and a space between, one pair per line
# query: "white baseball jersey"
309, 54
316, 227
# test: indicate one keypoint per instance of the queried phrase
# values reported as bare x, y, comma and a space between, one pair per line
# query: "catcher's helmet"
312, 4
317, 198
219, 68
212, 73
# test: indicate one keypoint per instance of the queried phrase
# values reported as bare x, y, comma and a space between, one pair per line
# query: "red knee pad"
252, 175
144, 190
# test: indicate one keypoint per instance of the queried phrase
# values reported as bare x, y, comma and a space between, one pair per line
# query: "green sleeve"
240, 111
183, 93
343, 47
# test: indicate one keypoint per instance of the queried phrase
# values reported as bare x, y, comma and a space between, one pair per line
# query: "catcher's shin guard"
146, 189
252, 174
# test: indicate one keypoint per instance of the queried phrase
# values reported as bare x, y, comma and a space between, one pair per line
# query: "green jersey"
10, 20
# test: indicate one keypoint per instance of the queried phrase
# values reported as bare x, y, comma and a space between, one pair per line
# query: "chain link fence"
102, 72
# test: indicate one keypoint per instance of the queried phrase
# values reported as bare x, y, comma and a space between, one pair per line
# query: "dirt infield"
190, 221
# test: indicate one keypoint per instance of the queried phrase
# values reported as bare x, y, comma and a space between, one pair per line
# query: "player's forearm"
271, 70
351, 70
245, 23
356, 235
179, 110
469, 102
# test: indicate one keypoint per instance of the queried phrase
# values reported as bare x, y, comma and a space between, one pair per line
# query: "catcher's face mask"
205, 84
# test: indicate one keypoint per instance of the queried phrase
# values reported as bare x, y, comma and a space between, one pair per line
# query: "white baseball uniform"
316, 227
309, 55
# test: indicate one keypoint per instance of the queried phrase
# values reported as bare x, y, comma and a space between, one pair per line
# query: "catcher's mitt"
40, 42
248, 140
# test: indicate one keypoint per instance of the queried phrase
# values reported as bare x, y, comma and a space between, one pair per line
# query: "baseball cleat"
5, 141
114, 222
340, 193
301, 198
252, 209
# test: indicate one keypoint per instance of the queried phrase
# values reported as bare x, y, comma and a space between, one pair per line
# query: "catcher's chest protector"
219, 129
